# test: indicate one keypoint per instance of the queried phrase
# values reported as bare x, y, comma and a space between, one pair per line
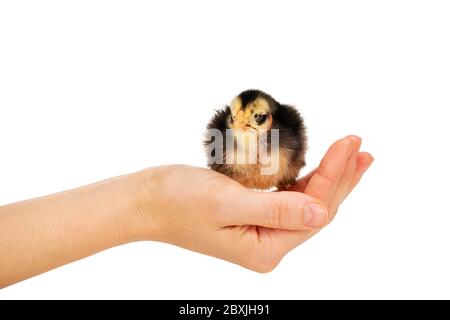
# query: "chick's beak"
241, 121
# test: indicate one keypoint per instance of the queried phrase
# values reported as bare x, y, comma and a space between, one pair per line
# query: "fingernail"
354, 137
349, 145
356, 141
314, 215
369, 164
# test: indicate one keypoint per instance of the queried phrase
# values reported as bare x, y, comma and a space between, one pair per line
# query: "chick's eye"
260, 118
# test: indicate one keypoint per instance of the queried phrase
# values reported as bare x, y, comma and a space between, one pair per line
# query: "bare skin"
193, 208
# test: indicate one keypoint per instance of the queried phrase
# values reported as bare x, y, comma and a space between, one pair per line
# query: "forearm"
40, 234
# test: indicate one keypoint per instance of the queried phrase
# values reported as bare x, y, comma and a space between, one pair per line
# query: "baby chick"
256, 121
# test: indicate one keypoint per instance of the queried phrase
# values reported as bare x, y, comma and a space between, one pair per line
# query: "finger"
363, 163
348, 174
301, 183
288, 239
280, 210
325, 180
324, 183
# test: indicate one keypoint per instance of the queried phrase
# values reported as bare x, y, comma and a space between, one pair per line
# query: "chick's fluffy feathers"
292, 144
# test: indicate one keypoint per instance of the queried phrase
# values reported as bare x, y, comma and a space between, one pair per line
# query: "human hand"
207, 212
194, 208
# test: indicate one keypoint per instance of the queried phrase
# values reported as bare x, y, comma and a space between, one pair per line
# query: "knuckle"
277, 214
328, 177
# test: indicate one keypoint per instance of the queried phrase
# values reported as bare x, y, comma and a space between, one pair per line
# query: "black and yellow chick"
255, 120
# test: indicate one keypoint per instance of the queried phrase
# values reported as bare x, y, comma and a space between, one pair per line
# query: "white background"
94, 89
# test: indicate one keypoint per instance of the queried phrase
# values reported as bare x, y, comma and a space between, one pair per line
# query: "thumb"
279, 210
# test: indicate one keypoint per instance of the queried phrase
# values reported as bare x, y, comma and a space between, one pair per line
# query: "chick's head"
252, 110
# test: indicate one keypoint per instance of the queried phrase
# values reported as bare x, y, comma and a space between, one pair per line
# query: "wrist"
142, 218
